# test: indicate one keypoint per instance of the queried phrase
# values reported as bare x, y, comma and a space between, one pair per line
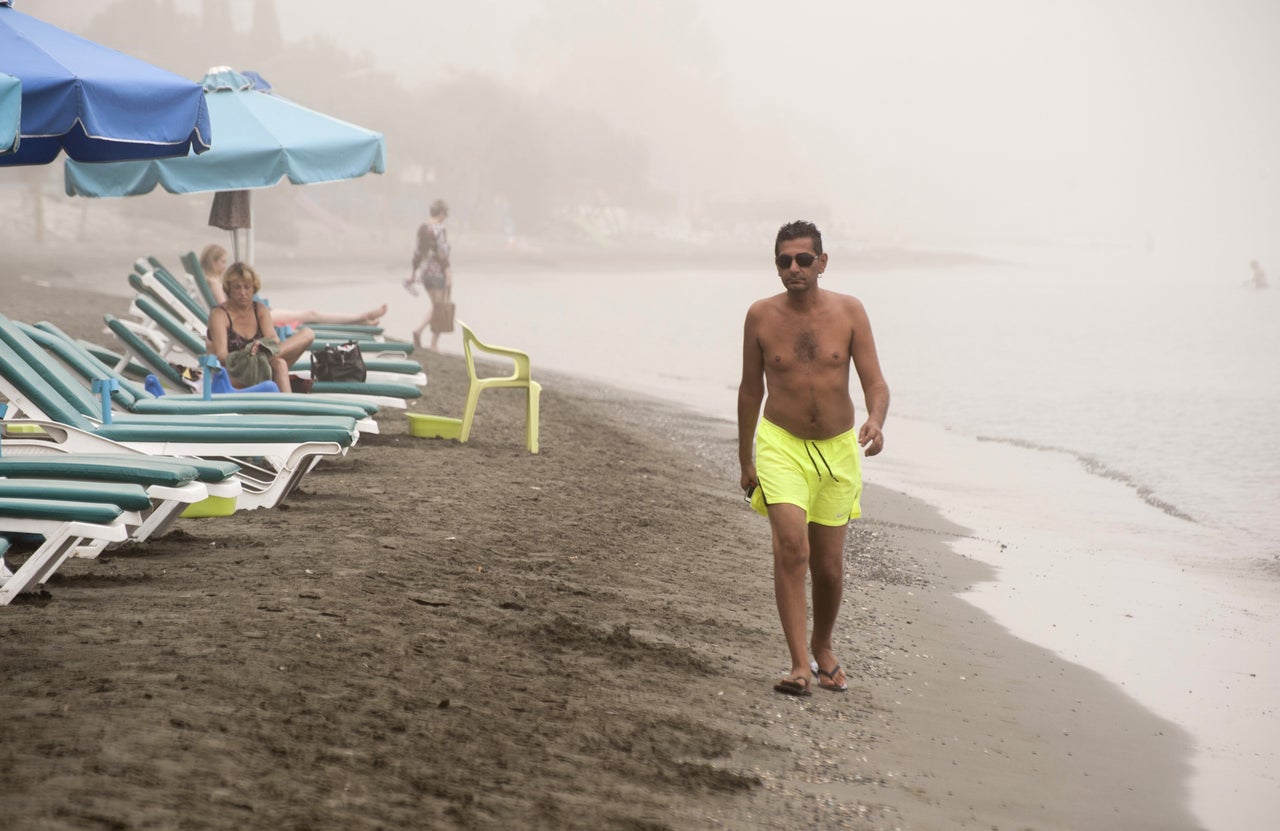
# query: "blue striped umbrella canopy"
262, 139
94, 102
10, 111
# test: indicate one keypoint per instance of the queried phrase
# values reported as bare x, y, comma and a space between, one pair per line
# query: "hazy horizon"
1130, 123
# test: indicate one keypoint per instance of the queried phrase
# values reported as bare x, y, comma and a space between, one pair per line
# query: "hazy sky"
985, 119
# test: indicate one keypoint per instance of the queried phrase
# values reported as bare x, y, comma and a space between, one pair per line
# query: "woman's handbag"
442, 314
341, 362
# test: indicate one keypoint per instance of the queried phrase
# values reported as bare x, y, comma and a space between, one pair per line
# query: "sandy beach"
435, 635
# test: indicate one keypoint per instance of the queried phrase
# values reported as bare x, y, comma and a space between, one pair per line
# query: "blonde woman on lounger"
240, 322
213, 261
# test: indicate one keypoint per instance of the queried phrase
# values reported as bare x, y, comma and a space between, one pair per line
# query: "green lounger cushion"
138, 470
177, 291
136, 431
143, 351
301, 424
261, 405
369, 408
127, 496
59, 510
384, 389
192, 264
366, 345
403, 366
206, 470
132, 369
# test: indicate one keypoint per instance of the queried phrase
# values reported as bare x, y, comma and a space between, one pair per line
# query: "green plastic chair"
519, 377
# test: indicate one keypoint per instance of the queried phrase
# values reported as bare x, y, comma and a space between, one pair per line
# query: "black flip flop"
820, 673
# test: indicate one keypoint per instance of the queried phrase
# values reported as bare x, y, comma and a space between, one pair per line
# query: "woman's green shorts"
822, 476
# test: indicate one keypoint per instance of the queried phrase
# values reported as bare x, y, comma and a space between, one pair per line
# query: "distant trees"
481, 141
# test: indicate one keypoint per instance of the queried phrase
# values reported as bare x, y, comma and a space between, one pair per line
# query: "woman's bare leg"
437, 296
280, 374
290, 351
283, 316
300, 341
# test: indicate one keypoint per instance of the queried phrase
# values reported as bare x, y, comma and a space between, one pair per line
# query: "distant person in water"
213, 261
431, 268
1259, 276
802, 470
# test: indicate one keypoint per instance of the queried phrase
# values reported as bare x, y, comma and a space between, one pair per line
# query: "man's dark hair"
799, 229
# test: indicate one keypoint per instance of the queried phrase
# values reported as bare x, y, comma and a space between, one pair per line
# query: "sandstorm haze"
1136, 123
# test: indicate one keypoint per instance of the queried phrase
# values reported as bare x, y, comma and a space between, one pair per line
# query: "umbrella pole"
248, 231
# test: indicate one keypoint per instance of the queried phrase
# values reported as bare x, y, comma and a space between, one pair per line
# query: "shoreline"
616, 650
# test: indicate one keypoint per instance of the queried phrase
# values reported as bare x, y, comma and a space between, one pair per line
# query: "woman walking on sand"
431, 267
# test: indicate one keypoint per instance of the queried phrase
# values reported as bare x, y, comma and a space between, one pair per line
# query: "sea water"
1166, 381
1104, 421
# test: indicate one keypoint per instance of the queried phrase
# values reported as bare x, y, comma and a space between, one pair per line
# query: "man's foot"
797, 685
417, 338
831, 680
374, 315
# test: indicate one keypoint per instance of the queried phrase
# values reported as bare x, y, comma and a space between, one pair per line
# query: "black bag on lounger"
342, 362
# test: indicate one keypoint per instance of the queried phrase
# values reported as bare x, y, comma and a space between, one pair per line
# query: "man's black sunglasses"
803, 260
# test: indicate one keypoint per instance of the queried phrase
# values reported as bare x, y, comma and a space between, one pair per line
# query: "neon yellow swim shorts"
824, 476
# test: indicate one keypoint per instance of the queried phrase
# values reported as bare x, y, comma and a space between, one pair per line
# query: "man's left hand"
871, 439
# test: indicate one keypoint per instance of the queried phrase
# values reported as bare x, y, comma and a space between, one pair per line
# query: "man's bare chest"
805, 349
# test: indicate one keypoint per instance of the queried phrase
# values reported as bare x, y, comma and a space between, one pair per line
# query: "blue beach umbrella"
262, 138
94, 102
10, 111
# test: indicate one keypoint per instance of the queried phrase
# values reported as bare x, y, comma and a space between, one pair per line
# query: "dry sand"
435, 635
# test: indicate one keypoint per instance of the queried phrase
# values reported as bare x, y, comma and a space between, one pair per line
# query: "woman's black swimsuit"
237, 341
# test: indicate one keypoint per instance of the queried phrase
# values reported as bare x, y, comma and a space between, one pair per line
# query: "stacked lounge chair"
91, 459
165, 340
272, 452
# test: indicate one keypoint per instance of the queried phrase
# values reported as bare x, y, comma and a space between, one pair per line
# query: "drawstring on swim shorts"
815, 464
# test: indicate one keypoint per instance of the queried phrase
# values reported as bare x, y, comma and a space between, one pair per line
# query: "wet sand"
435, 635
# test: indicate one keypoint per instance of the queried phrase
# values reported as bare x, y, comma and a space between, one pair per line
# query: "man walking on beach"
805, 474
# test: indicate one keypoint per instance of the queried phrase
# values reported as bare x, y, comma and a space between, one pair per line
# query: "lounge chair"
325, 426
195, 271
186, 311
64, 525
163, 287
272, 456
381, 394
170, 487
134, 398
195, 487
156, 346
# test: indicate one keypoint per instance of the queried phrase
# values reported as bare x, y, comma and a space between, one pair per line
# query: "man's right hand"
749, 479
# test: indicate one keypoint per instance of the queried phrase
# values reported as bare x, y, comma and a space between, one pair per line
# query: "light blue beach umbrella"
10, 112
94, 102
262, 138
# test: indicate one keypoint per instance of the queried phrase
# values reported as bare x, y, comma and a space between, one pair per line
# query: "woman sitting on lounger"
240, 322
213, 261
